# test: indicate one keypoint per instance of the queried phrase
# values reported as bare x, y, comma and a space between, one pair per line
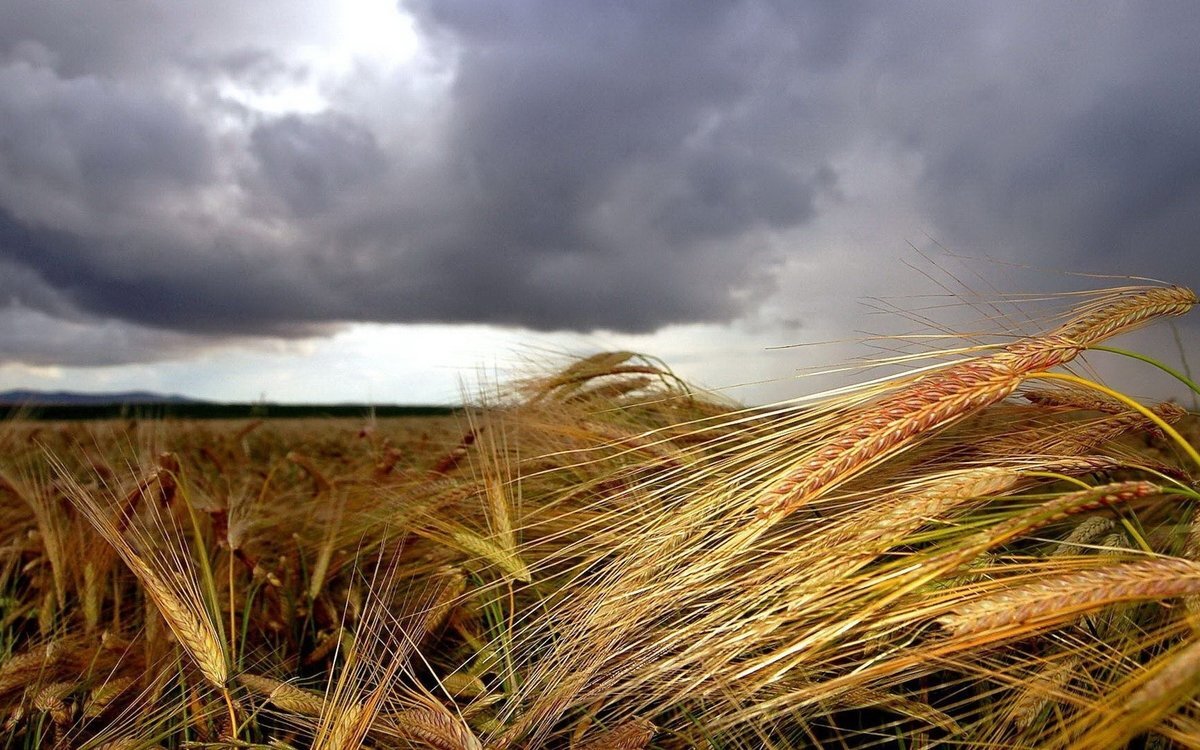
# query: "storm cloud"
171, 179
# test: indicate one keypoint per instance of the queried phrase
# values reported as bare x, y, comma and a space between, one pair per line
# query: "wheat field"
987, 549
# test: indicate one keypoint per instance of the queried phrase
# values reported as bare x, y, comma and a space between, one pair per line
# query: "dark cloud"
553, 165
91, 145
42, 339
1111, 184
312, 162
1063, 138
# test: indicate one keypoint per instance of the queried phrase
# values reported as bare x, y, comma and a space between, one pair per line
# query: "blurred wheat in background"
983, 551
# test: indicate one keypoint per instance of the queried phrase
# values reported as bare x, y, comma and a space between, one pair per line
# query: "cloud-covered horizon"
173, 180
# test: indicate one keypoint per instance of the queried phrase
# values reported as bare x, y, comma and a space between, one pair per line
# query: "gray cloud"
311, 162
77, 150
570, 166
44, 340
1058, 137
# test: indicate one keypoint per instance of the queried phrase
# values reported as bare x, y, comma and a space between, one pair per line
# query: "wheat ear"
1175, 678
178, 599
1144, 699
285, 695
1117, 426
187, 617
634, 734
1066, 596
502, 556
942, 397
129, 743
896, 514
17, 670
436, 728
450, 584
1086, 532
102, 696
909, 508
52, 699
1060, 508
1123, 310
865, 697
1073, 399
1036, 694
463, 685
347, 728
931, 402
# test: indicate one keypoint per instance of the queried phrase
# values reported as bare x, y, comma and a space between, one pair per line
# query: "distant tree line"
57, 412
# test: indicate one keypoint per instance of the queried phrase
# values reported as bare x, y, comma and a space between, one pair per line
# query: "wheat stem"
1181, 377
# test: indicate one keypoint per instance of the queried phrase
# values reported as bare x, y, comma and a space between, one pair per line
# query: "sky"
376, 201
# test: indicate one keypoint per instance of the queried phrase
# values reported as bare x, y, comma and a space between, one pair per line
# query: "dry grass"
605, 557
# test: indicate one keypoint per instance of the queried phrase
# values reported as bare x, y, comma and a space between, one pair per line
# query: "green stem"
1151, 361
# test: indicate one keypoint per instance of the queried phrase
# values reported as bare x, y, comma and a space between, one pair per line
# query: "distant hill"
73, 398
